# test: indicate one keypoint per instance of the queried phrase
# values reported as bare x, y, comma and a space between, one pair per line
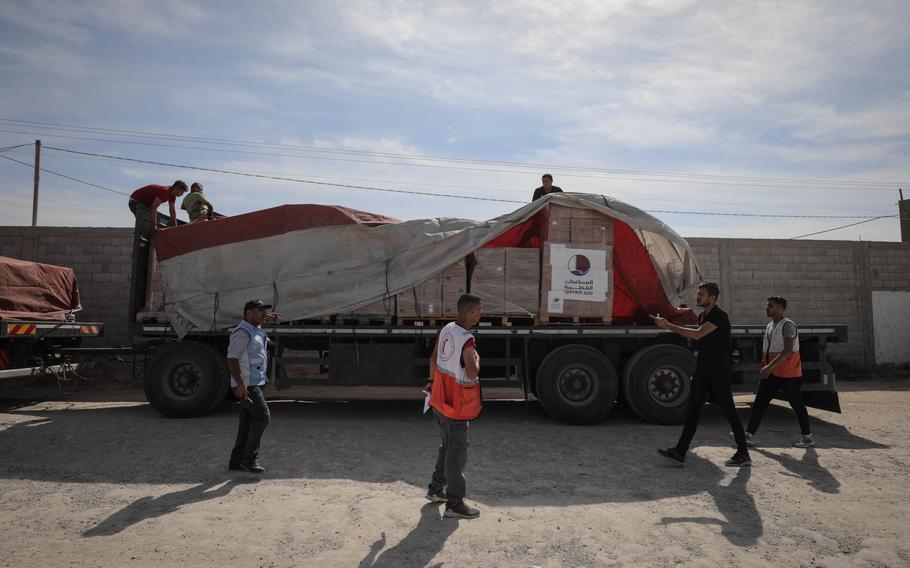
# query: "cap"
256, 304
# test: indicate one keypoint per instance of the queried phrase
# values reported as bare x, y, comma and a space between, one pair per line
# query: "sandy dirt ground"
100, 479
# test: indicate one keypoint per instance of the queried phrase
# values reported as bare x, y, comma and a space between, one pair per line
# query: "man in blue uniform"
247, 360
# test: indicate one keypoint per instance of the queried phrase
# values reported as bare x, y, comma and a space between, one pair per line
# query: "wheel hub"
667, 385
185, 380
576, 384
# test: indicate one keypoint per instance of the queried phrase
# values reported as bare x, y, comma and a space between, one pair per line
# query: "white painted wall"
891, 325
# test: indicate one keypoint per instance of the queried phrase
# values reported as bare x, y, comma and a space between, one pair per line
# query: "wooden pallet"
485, 321
422, 322
365, 320
574, 320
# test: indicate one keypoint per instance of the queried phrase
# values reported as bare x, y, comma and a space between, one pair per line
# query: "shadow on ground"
519, 456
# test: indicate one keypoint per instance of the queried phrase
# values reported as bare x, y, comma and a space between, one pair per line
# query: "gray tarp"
310, 273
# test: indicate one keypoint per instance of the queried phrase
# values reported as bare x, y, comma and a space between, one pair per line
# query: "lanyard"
768, 336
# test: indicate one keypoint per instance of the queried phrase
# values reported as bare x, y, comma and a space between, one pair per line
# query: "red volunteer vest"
454, 394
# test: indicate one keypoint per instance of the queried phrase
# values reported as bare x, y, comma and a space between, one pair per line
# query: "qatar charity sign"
577, 274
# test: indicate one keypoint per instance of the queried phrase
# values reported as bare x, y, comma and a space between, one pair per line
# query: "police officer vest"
773, 344
254, 362
454, 394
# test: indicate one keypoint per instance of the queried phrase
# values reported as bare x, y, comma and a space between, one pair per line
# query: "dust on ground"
98, 478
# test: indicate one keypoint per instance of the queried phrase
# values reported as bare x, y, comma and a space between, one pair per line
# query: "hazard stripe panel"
21, 329
89, 329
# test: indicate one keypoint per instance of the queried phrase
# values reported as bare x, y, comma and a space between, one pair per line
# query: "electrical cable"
65, 176
8, 148
536, 166
429, 194
480, 188
845, 226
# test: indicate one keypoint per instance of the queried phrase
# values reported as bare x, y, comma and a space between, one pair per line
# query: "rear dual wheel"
657, 383
577, 383
186, 379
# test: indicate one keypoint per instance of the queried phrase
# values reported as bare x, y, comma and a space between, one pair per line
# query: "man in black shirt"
546, 188
712, 375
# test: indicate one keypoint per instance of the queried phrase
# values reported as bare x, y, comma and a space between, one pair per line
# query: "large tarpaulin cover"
308, 269
35, 291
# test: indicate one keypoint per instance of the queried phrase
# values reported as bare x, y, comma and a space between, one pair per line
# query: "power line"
65, 176
478, 169
429, 194
675, 176
844, 226
502, 190
8, 148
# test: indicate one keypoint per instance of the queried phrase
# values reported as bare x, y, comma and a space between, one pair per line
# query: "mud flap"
823, 400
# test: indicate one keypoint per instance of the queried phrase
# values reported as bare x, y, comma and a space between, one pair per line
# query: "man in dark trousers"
781, 370
247, 360
152, 196
455, 397
712, 375
547, 187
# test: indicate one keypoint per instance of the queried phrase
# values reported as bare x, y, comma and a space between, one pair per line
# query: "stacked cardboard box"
454, 284
578, 239
489, 280
385, 307
423, 300
522, 283
579, 226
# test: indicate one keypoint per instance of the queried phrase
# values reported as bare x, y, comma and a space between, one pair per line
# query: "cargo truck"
38, 307
567, 282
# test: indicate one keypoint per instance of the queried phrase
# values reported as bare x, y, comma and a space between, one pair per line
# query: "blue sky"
671, 106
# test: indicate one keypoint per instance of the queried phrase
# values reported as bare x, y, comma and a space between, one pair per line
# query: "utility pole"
903, 208
37, 180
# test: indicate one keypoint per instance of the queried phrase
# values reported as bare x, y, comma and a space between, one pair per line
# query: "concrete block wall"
824, 281
101, 258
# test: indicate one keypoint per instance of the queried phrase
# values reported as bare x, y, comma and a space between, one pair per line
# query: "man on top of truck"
547, 188
152, 196
196, 205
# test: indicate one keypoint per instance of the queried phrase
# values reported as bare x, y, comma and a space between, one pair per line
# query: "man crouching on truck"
247, 360
455, 397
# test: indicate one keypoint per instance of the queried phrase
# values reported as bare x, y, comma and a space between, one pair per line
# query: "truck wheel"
186, 379
577, 384
657, 382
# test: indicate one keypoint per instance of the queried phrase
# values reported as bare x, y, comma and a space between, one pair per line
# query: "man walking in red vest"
781, 369
455, 397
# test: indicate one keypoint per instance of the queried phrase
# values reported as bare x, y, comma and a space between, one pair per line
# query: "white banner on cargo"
578, 274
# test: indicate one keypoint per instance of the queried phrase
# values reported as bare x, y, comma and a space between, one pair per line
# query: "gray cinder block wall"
101, 258
824, 281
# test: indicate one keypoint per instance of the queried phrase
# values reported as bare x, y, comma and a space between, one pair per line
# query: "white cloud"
216, 99
47, 58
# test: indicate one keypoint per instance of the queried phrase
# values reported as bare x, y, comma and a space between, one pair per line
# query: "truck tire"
657, 382
577, 384
186, 379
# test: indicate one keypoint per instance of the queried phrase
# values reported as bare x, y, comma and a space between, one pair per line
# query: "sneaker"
805, 441
740, 459
234, 466
750, 440
436, 496
460, 511
252, 467
674, 456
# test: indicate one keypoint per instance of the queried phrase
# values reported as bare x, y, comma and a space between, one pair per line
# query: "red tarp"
190, 237
35, 291
637, 291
